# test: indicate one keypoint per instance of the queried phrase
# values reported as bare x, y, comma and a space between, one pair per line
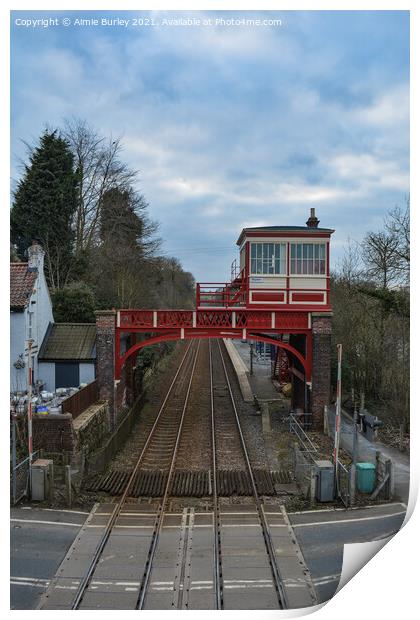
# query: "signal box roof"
266, 231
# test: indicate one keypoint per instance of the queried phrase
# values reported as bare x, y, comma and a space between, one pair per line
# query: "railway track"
154, 474
162, 443
220, 433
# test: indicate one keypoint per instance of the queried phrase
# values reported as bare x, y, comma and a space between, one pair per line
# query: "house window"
307, 258
268, 258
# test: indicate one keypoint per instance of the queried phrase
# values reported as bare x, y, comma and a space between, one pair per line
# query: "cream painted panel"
305, 283
266, 282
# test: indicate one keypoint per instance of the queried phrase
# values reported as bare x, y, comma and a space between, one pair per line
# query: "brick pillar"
321, 365
105, 359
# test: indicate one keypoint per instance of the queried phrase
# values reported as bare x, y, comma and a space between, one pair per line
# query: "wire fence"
19, 479
343, 483
299, 424
303, 469
306, 454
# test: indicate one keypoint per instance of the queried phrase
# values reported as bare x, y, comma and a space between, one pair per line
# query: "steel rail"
161, 510
277, 579
84, 584
217, 543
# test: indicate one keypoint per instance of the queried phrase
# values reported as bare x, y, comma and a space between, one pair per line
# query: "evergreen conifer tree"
44, 206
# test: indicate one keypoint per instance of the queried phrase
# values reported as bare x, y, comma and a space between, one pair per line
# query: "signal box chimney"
312, 221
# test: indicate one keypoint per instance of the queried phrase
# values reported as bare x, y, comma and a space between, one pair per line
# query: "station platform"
259, 383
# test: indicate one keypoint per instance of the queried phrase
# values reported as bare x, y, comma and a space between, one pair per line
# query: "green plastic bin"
366, 477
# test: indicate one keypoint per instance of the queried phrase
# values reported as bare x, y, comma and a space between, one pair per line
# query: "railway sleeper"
151, 483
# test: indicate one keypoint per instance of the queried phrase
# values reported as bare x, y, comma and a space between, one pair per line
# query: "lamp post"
29, 410
251, 358
337, 414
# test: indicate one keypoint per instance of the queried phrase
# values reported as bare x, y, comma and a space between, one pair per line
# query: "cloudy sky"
231, 126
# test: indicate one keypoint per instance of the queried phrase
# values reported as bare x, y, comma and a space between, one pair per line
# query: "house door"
66, 374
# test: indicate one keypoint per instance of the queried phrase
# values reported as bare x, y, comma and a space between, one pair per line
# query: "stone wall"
91, 427
59, 433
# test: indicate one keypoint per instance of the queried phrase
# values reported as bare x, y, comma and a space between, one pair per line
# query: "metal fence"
343, 483
304, 471
81, 400
304, 454
299, 423
19, 479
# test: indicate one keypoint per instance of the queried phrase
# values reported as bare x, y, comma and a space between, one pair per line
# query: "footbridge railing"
151, 320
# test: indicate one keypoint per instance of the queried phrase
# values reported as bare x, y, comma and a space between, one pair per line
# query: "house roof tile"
22, 281
69, 341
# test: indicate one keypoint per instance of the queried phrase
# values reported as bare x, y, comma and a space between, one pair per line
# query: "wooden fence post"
391, 472
313, 486
51, 483
352, 492
67, 474
326, 424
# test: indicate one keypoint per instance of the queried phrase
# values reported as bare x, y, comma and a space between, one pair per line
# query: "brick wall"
54, 432
321, 366
105, 348
121, 396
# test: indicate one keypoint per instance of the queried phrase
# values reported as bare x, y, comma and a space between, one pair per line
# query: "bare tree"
397, 225
380, 257
99, 168
370, 296
350, 268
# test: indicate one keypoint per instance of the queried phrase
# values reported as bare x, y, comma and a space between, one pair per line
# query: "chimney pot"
36, 257
312, 221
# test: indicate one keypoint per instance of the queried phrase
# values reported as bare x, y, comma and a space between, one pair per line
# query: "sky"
229, 125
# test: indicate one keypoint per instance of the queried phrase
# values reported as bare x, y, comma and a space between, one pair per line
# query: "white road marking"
241, 524
75, 512
304, 512
316, 523
202, 525
45, 522
28, 583
32, 582
226, 514
327, 579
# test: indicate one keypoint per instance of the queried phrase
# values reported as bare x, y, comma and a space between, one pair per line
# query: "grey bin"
324, 481
40, 480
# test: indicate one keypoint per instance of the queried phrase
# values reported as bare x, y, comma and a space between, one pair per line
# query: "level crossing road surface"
182, 575
322, 535
39, 539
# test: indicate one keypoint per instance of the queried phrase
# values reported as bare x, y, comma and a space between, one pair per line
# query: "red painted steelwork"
196, 333
149, 320
208, 323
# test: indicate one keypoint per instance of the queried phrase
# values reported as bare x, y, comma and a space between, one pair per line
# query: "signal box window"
307, 258
268, 258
